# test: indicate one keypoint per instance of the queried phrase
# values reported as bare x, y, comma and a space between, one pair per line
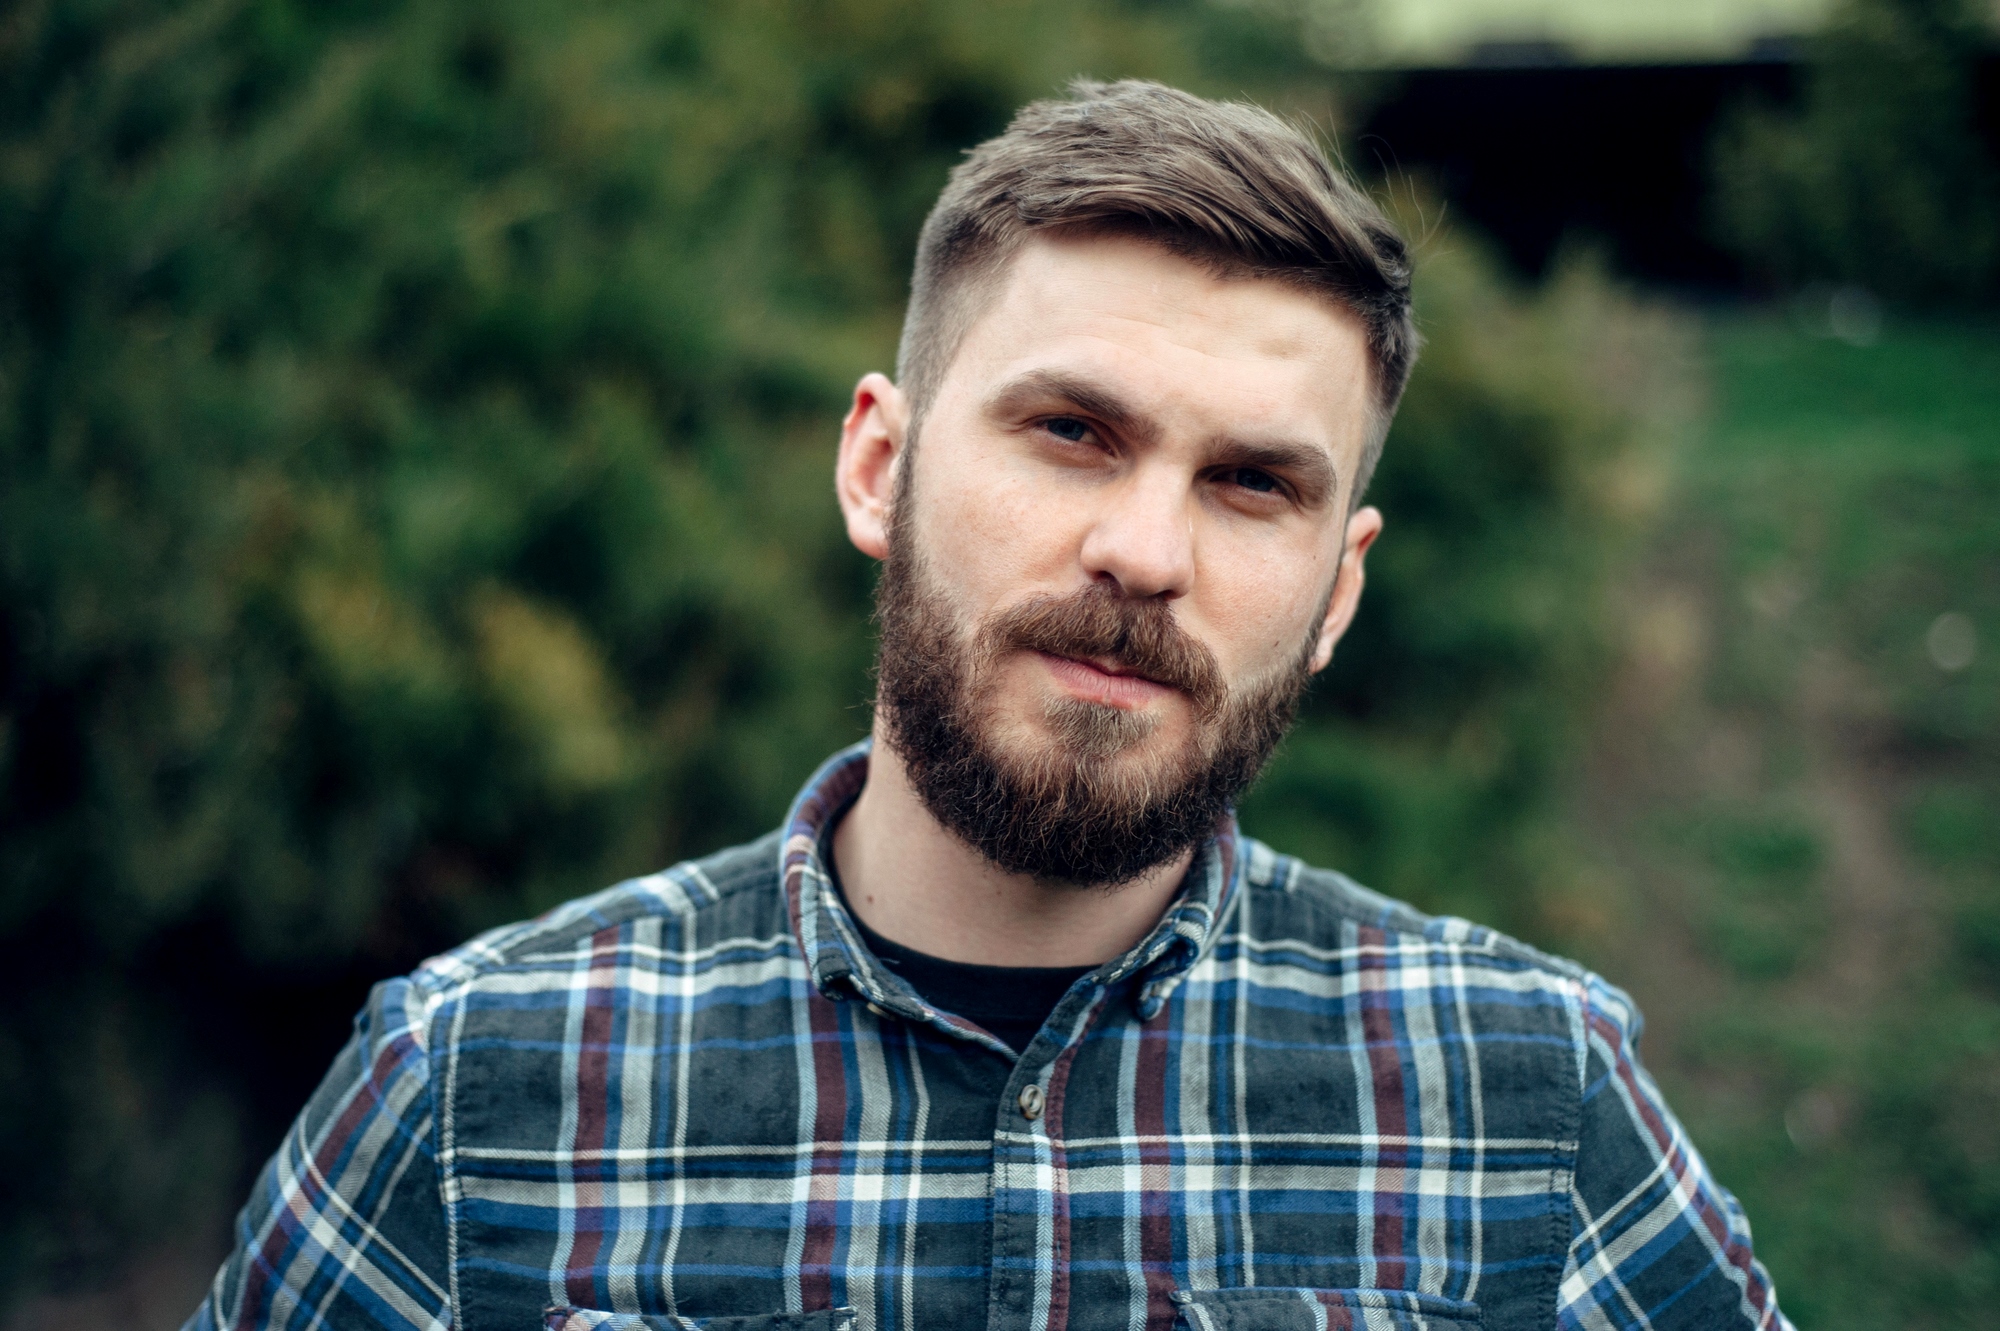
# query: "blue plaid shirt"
696, 1100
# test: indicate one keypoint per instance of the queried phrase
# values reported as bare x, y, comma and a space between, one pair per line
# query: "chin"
1106, 734
1111, 740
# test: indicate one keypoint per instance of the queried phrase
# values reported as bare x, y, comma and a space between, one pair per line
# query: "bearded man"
1010, 1025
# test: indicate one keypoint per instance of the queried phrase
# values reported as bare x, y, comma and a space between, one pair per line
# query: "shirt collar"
841, 965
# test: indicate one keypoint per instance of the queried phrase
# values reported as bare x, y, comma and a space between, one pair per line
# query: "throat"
906, 874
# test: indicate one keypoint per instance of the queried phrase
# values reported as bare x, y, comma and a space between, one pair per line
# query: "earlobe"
871, 449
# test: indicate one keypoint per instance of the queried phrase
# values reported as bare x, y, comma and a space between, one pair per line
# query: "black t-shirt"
1013, 1002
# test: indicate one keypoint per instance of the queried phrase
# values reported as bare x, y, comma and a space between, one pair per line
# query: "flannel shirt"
696, 1100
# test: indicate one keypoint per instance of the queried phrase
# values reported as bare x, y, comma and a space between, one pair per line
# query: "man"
1010, 1025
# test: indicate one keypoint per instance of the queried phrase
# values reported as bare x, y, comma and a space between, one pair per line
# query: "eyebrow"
1311, 472
1038, 387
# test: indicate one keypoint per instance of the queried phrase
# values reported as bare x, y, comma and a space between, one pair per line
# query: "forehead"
1153, 322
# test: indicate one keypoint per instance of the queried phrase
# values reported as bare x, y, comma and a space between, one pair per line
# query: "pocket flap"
590, 1319
1322, 1310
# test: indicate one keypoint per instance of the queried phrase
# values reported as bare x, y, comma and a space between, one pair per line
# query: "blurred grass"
1801, 795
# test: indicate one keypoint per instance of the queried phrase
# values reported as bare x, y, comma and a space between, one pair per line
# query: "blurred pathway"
1796, 793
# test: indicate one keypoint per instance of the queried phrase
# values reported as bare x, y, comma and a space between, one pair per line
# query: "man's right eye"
1067, 427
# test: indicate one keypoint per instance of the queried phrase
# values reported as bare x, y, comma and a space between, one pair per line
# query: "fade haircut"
1225, 184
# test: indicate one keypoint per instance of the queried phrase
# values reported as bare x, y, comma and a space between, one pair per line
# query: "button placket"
1020, 1195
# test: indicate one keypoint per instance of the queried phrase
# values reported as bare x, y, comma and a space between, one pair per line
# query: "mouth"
1105, 683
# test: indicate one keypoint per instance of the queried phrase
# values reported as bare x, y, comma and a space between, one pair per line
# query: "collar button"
1031, 1102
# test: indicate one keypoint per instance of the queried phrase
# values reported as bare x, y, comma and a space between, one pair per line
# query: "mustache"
1139, 635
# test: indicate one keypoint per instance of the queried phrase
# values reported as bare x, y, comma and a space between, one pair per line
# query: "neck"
915, 883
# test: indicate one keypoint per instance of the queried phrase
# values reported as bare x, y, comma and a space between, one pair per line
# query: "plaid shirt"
696, 1100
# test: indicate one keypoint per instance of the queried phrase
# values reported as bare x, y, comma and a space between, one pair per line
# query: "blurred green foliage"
415, 432
1765, 913
1880, 177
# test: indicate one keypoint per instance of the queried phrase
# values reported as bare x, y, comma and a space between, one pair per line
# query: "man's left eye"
1066, 427
1251, 479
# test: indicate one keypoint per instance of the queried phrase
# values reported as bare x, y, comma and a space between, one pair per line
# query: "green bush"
1432, 759
1880, 176
415, 427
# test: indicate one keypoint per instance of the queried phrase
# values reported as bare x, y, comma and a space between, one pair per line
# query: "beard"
1089, 805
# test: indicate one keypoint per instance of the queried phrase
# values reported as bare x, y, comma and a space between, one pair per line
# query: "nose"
1143, 536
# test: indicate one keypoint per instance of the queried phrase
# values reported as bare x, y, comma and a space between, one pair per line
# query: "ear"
871, 453
1363, 526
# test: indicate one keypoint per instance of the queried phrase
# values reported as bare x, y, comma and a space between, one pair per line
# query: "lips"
1106, 648
1107, 685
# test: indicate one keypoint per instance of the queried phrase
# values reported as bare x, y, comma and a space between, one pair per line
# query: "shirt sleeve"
1655, 1241
345, 1227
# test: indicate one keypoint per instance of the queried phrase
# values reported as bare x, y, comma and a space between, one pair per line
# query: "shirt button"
878, 1010
1031, 1101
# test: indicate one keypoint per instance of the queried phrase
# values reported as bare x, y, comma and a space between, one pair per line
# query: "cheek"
1264, 604
991, 533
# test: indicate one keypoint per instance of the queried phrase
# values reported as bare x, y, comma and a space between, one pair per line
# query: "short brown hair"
1224, 183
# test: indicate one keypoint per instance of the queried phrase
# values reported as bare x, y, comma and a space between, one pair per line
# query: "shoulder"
1288, 900
740, 882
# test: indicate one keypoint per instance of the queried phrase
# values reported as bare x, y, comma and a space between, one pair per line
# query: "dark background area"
1540, 155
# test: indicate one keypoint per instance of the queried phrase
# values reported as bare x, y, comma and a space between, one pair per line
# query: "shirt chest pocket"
590, 1319
1321, 1310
